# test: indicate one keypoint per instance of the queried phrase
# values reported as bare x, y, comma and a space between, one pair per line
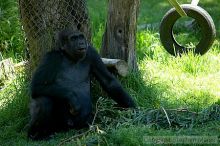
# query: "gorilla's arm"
108, 81
43, 81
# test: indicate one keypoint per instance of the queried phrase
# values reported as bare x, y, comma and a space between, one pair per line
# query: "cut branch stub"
7, 69
119, 65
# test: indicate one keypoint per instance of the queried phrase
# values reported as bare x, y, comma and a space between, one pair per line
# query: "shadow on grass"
146, 94
14, 111
15, 116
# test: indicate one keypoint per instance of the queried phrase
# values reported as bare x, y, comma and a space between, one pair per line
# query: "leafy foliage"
11, 36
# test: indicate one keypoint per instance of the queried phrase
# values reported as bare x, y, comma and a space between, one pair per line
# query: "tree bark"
120, 34
43, 19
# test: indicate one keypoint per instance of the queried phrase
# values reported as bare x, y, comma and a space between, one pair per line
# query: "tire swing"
202, 18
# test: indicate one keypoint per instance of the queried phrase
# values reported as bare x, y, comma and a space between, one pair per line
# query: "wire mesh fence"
42, 19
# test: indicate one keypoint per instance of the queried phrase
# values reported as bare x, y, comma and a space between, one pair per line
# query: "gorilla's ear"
61, 37
58, 41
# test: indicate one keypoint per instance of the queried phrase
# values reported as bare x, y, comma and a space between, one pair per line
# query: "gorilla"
60, 87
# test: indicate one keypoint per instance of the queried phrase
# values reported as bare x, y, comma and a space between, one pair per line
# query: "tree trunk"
120, 34
42, 19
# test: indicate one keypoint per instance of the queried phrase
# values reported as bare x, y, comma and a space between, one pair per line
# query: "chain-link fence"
42, 19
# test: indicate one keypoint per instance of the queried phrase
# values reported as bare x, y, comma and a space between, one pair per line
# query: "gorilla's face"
75, 45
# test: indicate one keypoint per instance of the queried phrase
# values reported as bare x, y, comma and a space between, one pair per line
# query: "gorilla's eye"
74, 37
81, 36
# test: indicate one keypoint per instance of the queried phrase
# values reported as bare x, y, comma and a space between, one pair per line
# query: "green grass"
163, 81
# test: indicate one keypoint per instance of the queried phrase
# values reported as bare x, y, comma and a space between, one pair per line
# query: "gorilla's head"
73, 43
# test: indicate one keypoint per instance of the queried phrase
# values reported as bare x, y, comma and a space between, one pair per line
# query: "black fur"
60, 87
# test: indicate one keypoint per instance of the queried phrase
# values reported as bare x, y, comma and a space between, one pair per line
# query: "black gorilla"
60, 87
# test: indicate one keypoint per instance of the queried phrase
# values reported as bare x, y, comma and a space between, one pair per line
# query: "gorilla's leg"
84, 117
41, 124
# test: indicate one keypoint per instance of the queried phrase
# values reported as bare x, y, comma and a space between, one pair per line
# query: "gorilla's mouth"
81, 50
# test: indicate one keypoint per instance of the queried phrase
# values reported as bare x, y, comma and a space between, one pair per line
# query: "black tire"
202, 18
